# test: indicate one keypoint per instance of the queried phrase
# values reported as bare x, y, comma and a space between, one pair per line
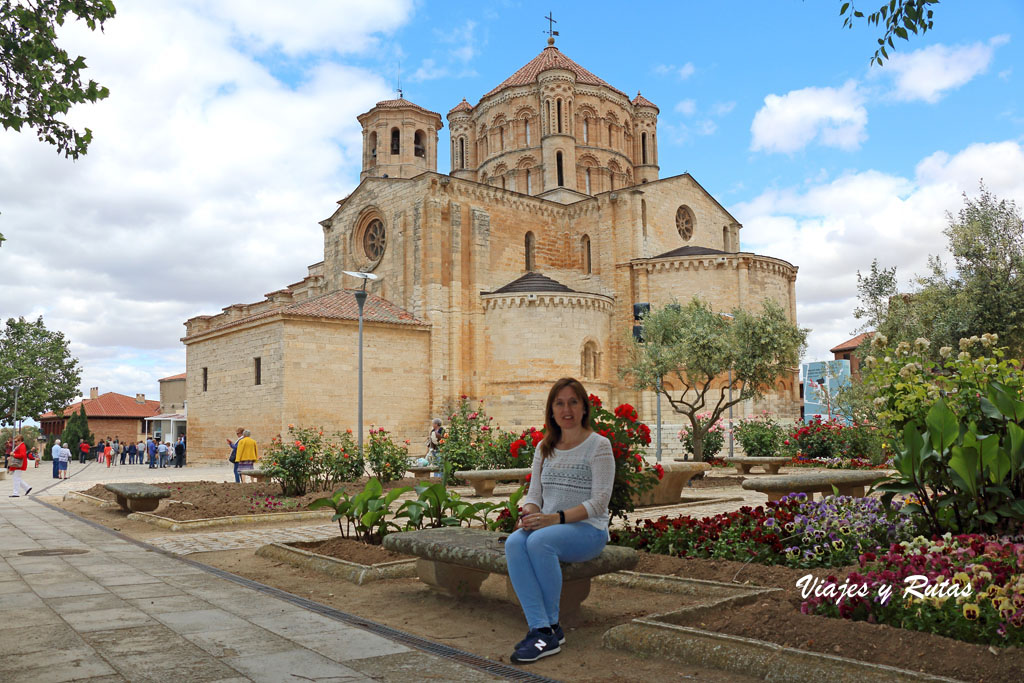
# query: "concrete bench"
677, 475
137, 497
846, 482
256, 476
484, 481
456, 561
423, 472
770, 465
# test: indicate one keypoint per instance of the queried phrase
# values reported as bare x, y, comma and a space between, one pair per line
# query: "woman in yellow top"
245, 452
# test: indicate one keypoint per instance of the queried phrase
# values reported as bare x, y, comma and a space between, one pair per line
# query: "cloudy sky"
230, 132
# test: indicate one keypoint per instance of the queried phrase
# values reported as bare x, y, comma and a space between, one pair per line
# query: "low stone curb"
340, 569
658, 635
234, 520
688, 501
660, 583
91, 500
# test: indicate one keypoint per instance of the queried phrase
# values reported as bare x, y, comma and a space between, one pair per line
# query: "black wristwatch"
561, 516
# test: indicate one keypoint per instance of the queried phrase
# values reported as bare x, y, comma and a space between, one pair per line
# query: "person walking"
17, 464
233, 458
245, 455
83, 451
64, 456
54, 452
565, 515
179, 452
151, 451
108, 453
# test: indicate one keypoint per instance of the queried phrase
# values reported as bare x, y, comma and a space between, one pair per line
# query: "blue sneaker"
535, 646
559, 633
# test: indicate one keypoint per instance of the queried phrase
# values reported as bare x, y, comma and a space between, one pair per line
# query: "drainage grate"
466, 658
53, 552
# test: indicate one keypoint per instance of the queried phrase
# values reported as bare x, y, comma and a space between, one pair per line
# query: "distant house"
110, 415
845, 352
170, 423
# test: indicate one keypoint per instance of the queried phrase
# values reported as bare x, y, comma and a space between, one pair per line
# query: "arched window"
501, 138
462, 152
585, 253
396, 144
590, 361
589, 191
558, 165
419, 147
643, 148
530, 264
586, 130
611, 142
529, 183
559, 119
527, 124
503, 183
726, 239
372, 144
643, 215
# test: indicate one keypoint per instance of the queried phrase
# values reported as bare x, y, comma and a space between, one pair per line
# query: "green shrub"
713, 442
387, 460
497, 454
306, 461
467, 433
760, 436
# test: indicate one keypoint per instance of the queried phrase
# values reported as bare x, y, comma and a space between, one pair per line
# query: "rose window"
374, 240
684, 223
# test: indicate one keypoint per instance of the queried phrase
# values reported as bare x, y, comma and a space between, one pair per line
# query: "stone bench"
846, 482
256, 476
670, 488
456, 561
484, 481
423, 472
770, 465
137, 497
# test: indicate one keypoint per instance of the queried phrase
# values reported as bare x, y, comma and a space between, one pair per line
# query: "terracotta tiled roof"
172, 377
532, 282
342, 305
641, 101
111, 405
461, 106
550, 58
402, 103
690, 251
851, 344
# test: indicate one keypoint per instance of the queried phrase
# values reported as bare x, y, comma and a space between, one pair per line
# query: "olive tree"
697, 347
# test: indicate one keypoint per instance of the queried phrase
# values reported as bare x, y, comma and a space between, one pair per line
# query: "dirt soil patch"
206, 499
488, 626
713, 482
351, 550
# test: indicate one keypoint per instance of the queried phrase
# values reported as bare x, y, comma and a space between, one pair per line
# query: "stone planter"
670, 488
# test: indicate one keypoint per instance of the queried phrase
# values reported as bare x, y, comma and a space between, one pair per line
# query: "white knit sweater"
581, 475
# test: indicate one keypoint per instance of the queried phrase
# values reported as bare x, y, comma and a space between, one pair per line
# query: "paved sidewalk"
117, 611
186, 544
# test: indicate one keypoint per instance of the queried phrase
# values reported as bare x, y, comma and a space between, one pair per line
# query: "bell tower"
399, 140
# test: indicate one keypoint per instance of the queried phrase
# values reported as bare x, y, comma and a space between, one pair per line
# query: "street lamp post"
361, 301
730, 317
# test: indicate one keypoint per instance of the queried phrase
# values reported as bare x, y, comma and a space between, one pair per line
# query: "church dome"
641, 101
550, 58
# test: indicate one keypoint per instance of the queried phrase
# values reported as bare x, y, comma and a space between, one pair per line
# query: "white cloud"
428, 70
681, 72
203, 185
686, 107
832, 229
723, 108
929, 73
832, 117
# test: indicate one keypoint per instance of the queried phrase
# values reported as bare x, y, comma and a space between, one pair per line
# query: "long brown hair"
552, 432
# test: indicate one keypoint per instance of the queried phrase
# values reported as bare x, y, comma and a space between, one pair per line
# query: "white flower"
945, 351
965, 343
907, 370
879, 341
902, 348
963, 355
870, 362
879, 402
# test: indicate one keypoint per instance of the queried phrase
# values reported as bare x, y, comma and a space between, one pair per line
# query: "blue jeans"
238, 477
533, 558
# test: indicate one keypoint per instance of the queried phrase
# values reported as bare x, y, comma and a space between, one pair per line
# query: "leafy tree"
41, 81
899, 17
77, 427
697, 348
39, 363
985, 293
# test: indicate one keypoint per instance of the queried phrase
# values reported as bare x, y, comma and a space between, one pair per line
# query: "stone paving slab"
121, 613
186, 544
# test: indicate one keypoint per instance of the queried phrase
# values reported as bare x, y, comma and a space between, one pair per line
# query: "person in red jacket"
20, 453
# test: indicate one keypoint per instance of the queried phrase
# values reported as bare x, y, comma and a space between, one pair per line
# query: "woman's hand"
537, 520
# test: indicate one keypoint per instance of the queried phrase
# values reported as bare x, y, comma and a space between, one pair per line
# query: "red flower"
594, 400
536, 437
298, 443
529, 475
660, 470
302, 449
627, 412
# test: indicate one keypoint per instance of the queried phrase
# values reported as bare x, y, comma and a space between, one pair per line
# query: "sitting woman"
565, 515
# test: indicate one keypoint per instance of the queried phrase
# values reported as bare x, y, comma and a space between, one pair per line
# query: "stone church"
519, 266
